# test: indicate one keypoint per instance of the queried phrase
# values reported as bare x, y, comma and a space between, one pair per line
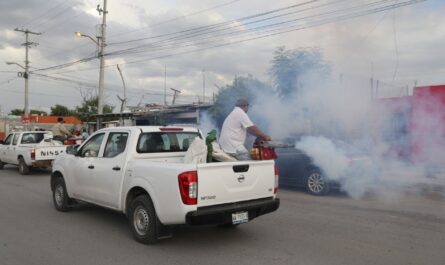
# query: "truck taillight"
276, 179
267, 153
188, 187
33, 154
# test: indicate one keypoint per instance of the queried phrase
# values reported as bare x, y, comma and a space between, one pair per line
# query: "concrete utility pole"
203, 85
174, 95
100, 104
27, 44
165, 85
123, 100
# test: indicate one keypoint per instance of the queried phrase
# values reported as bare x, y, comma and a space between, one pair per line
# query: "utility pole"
27, 44
100, 104
165, 85
174, 95
372, 81
123, 100
203, 85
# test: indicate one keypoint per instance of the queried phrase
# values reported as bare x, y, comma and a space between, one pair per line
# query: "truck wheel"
2, 165
60, 196
23, 167
316, 183
143, 220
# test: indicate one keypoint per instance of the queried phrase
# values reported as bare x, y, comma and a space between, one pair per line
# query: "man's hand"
266, 138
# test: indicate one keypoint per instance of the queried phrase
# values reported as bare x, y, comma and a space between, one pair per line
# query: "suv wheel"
60, 196
143, 220
316, 183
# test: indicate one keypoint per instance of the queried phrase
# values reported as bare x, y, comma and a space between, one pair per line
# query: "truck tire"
143, 220
61, 199
2, 165
316, 183
23, 167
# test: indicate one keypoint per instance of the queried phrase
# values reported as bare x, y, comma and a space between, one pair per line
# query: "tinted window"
92, 147
116, 144
165, 142
16, 138
8, 140
32, 138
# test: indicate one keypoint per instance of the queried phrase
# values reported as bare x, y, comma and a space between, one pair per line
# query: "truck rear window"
32, 138
159, 142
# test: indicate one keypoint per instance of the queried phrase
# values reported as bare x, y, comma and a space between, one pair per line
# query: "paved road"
306, 230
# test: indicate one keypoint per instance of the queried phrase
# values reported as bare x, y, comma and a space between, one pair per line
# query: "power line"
340, 17
177, 18
43, 14
275, 32
52, 18
207, 27
303, 19
160, 23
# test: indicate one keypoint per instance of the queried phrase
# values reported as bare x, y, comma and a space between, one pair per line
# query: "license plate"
240, 217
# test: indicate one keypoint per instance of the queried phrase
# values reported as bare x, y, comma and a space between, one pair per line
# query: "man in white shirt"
233, 132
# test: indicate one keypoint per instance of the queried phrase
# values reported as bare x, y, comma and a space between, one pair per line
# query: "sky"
196, 46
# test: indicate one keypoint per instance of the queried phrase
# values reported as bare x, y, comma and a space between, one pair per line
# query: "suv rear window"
159, 142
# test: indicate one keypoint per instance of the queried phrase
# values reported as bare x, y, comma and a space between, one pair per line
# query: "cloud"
350, 46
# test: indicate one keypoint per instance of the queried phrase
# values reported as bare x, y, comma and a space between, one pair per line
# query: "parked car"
298, 170
141, 172
29, 149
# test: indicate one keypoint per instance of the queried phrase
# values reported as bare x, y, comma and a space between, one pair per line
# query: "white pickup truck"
140, 171
29, 149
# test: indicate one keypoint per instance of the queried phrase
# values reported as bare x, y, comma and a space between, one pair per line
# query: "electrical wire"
176, 18
46, 12
336, 19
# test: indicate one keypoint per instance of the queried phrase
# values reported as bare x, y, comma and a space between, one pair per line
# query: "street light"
101, 46
9, 63
80, 34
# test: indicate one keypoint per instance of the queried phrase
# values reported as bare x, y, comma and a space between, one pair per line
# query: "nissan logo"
241, 178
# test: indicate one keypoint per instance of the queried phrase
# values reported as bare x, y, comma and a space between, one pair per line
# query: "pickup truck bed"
29, 149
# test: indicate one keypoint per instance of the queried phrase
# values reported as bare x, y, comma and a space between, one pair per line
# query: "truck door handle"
117, 168
91, 167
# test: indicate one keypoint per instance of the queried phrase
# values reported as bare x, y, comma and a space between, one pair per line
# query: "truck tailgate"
227, 182
49, 152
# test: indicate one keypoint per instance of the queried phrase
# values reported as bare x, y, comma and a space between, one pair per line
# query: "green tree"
291, 68
60, 110
38, 112
242, 87
16, 112
89, 107
19, 112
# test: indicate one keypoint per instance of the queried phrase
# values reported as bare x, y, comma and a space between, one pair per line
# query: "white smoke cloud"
380, 156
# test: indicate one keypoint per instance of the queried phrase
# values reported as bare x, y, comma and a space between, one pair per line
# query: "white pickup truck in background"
140, 171
29, 149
